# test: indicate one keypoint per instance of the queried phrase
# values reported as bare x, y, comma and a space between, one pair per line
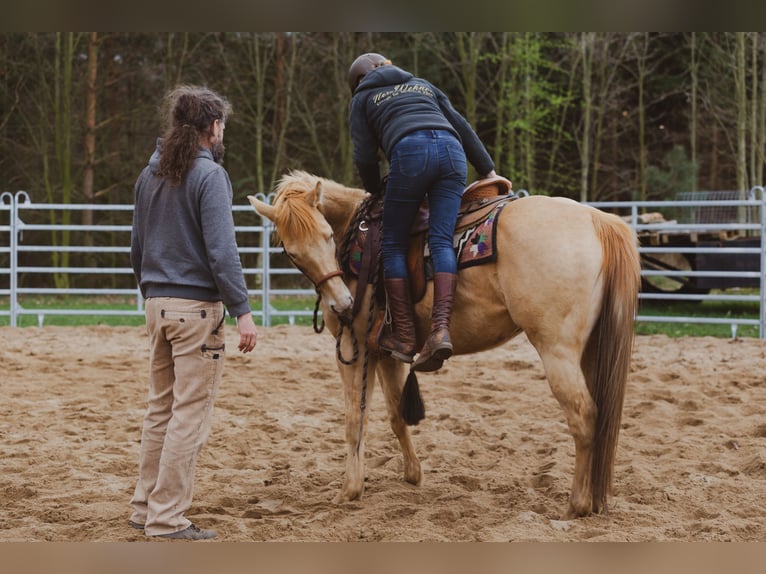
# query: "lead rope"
319, 327
361, 213
344, 251
370, 323
354, 345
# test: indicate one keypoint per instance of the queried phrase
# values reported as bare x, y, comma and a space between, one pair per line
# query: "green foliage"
523, 89
678, 174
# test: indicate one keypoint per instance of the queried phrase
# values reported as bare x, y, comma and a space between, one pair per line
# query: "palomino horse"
565, 274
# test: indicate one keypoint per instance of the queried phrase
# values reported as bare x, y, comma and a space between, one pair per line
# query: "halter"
318, 328
325, 278
322, 280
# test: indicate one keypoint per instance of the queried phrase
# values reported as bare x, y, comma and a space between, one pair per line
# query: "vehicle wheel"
663, 284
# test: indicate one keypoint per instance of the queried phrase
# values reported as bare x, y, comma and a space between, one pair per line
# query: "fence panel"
7, 247
33, 256
694, 247
690, 249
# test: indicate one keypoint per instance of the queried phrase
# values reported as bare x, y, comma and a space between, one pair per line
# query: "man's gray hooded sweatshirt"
183, 242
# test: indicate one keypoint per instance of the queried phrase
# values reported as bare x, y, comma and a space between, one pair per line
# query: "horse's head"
308, 240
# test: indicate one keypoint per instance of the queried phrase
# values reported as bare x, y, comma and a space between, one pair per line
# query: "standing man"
427, 143
185, 259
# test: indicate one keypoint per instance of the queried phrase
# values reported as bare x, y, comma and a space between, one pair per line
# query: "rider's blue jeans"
425, 163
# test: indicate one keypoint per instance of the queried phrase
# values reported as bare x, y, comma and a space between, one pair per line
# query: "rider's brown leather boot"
400, 339
438, 346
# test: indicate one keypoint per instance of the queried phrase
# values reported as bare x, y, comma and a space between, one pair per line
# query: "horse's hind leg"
391, 374
566, 379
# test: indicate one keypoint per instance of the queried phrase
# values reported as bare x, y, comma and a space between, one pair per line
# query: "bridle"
318, 328
322, 280
317, 284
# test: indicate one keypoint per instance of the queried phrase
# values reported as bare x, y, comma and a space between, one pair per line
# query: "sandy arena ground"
496, 454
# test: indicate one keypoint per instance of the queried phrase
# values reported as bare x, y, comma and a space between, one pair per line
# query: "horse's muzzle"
344, 312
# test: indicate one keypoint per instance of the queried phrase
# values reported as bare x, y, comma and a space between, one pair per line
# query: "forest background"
593, 116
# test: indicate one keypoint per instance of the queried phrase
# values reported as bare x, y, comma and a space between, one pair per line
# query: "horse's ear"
261, 208
315, 197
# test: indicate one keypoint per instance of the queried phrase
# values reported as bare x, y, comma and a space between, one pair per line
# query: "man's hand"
248, 334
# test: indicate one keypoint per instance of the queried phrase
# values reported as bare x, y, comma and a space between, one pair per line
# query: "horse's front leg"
391, 374
358, 380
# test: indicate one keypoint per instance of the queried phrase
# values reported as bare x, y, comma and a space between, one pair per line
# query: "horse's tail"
411, 406
606, 359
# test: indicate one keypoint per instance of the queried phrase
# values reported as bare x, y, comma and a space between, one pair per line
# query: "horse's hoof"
572, 513
344, 496
339, 499
416, 479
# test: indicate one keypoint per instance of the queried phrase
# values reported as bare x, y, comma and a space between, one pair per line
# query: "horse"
566, 274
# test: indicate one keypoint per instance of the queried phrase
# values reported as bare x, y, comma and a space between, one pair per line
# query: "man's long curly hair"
189, 114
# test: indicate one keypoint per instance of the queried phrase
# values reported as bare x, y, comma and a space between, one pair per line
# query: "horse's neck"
339, 204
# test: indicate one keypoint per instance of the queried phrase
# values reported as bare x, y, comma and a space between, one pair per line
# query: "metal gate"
700, 244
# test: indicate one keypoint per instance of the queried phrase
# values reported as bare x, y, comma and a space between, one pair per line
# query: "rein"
369, 273
317, 285
318, 328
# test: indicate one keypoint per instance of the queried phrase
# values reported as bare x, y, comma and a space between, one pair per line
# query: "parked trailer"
699, 242
698, 248
700, 262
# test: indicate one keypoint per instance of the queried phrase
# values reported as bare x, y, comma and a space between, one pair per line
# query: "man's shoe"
190, 533
135, 525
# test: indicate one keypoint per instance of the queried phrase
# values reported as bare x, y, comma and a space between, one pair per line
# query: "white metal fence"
696, 251
27, 232
703, 243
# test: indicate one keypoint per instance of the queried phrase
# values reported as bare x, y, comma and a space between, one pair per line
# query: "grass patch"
701, 308
42, 306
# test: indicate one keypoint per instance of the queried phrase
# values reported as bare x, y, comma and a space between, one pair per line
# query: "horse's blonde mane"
297, 180
293, 212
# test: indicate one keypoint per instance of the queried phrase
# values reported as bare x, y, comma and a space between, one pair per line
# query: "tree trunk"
754, 103
641, 61
284, 99
740, 87
560, 127
469, 50
586, 48
62, 106
694, 71
530, 76
502, 104
761, 143
90, 132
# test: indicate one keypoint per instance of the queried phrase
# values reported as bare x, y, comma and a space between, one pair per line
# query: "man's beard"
218, 150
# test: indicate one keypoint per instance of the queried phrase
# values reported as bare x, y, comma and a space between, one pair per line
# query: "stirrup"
433, 362
396, 354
